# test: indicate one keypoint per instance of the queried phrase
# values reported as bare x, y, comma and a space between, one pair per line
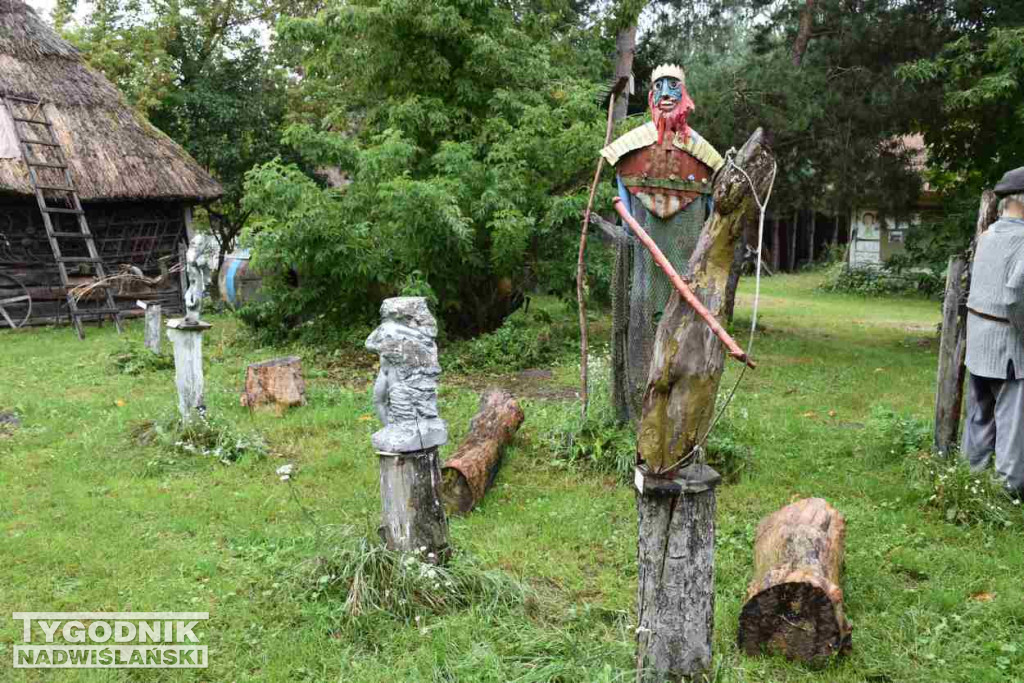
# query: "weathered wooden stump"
676, 582
277, 383
154, 321
412, 515
405, 398
188, 366
471, 470
794, 603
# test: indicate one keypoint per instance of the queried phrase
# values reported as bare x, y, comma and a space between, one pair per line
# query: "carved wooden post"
154, 318
949, 386
949, 394
405, 397
676, 507
188, 366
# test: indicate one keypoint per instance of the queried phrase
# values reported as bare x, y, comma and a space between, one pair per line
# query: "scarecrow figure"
664, 171
200, 262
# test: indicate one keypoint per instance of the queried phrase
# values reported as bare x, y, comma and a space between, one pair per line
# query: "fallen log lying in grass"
794, 603
471, 470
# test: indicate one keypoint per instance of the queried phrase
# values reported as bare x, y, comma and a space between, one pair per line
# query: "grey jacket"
997, 289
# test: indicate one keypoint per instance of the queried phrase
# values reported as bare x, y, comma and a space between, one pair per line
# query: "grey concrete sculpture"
405, 393
201, 261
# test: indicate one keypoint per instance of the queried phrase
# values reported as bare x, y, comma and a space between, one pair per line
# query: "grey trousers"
995, 422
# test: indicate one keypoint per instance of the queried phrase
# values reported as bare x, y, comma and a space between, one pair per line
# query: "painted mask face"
666, 93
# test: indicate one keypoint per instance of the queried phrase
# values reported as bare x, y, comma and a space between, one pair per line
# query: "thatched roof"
113, 152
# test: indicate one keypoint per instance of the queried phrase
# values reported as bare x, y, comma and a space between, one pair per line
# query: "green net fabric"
640, 292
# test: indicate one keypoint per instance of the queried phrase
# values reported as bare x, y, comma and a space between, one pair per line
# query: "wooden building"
134, 184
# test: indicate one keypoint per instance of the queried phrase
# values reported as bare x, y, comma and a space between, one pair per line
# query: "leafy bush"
881, 281
470, 170
726, 455
899, 435
523, 341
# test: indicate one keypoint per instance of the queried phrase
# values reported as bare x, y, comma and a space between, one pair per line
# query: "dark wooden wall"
142, 234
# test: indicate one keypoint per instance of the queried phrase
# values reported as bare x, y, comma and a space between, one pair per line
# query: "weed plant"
204, 436
132, 358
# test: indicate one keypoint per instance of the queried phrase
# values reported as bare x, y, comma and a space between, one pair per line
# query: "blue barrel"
238, 282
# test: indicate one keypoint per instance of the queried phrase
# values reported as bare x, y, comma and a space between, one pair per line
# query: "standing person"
995, 342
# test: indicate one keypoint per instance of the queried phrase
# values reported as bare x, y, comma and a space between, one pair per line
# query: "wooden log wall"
140, 234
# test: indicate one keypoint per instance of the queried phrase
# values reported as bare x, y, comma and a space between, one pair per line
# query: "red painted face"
665, 115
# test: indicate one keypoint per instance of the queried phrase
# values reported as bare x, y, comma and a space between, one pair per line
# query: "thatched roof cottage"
136, 185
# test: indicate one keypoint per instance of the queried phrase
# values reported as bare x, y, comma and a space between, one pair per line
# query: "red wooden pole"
734, 350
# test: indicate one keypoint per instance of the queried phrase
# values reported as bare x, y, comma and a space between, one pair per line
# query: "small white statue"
405, 393
200, 262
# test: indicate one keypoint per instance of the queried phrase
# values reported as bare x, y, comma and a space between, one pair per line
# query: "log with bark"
794, 603
471, 470
277, 383
676, 507
686, 365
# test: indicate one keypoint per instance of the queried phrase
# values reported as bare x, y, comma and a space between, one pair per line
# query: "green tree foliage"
977, 133
466, 140
201, 71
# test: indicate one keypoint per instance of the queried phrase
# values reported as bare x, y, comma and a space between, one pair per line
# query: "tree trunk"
795, 236
686, 363
776, 245
810, 246
736, 269
803, 32
676, 577
278, 383
949, 394
676, 507
625, 48
835, 231
412, 516
471, 470
794, 603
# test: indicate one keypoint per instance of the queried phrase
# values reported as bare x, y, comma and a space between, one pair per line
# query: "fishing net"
640, 292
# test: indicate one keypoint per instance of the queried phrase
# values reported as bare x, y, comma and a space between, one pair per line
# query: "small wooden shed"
134, 184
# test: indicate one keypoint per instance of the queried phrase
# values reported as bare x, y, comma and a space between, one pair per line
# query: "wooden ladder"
50, 159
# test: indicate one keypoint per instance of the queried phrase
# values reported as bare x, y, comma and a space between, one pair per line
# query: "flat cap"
1012, 183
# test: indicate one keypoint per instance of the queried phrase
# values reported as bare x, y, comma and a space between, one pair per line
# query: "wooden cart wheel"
15, 302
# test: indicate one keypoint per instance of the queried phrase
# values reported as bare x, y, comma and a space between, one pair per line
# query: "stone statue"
405, 393
665, 172
201, 261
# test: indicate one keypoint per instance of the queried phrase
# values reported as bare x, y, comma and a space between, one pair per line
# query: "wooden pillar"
676, 572
676, 503
949, 393
412, 515
154, 320
188, 367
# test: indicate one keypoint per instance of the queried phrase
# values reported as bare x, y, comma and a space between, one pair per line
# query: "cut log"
471, 470
794, 603
277, 383
412, 515
154, 321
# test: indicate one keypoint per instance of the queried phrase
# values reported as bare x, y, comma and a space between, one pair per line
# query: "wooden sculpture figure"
665, 171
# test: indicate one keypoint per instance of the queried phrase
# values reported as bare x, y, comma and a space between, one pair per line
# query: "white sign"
110, 640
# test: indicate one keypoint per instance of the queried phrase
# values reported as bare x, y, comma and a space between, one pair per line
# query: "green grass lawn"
92, 521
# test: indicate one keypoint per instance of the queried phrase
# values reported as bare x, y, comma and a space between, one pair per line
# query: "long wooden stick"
581, 271
684, 291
